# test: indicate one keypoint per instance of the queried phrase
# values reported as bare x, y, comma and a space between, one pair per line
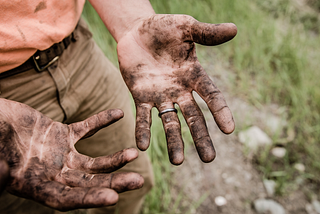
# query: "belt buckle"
38, 67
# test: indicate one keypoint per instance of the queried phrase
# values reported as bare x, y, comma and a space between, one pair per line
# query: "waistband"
41, 59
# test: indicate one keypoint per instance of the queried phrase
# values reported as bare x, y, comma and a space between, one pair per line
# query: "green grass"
100, 33
275, 58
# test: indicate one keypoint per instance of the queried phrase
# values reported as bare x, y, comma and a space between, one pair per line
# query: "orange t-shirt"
30, 25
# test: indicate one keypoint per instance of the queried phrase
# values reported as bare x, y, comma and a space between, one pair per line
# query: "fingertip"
140, 181
122, 182
110, 197
224, 120
205, 149
116, 113
209, 156
134, 181
229, 128
177, 159
99, 197
227, 32
121, 113
233, 30
142, 146
143, 140
131, 154
137, 181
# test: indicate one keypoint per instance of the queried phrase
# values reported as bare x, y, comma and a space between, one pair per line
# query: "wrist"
128, 26
120, 16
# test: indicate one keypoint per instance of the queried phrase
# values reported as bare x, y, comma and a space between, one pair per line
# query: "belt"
41, 59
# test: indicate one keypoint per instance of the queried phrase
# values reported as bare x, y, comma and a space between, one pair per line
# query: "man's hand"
158, 62
45, 166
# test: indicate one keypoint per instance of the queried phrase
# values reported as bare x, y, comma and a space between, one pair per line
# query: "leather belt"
41, 59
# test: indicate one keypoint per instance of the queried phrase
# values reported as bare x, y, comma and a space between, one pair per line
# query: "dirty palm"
48, 169
164, 72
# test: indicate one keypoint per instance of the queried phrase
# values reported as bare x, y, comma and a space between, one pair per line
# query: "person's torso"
30, 25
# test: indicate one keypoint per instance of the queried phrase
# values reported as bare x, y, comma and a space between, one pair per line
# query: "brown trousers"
81, 83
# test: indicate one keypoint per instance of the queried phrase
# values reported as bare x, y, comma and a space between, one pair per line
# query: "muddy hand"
45, 166
159, 65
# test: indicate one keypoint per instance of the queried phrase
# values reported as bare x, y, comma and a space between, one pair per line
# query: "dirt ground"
232, 174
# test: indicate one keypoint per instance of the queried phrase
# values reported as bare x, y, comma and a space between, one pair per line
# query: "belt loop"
67, 41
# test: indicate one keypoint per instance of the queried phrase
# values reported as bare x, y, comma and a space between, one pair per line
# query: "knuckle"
171, 123
213, 95
193, 119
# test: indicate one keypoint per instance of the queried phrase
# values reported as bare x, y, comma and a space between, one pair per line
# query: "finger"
143, 123
198, 129
172, 128
212, 34
120, 182
216, 103
105, 164
94, 123
4, 175
64, 198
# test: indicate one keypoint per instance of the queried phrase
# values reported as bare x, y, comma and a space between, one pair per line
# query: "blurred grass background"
275, 58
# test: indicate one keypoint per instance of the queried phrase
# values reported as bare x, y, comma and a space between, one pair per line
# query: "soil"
232, 175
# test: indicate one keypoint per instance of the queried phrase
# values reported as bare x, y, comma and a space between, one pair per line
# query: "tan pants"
83, 82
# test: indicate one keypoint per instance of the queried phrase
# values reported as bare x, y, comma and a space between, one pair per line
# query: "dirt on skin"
232, 174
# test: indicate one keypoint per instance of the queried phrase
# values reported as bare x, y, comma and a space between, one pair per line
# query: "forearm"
119, 16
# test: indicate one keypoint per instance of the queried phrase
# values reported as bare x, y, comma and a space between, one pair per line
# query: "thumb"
212, 34
4, 174
94, 123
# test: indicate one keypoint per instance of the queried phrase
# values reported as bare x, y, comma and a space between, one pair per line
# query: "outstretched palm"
45, 166
164, 70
